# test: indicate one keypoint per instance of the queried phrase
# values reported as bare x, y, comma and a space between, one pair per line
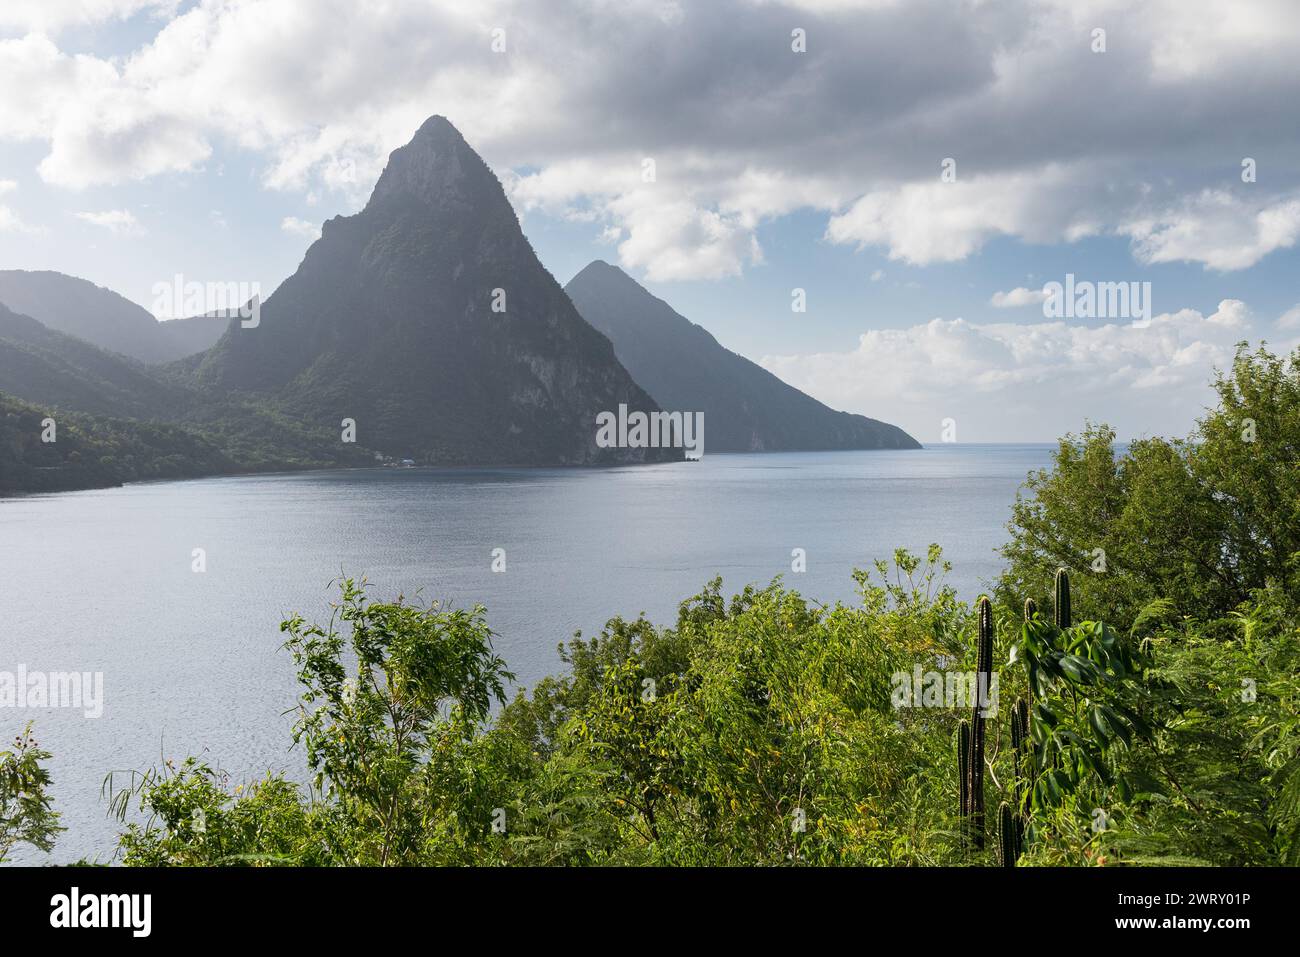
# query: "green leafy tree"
26, 813
196, 818
1202, 523
420, 676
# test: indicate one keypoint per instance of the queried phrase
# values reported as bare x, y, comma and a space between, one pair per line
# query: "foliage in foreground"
26, 816
1153, 718
761, 729
1203, 522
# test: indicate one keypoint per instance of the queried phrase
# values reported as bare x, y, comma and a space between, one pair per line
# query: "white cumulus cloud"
1012, 382
1217, 228
120, 222
1020, 296
48, 16
300, 227
9, 220
1052, 142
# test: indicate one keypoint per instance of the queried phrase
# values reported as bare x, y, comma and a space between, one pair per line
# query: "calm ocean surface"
102, 581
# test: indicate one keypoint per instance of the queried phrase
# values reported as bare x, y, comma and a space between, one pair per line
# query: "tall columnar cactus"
1008, 835
1021, 740
1019, 732
984, 675
963, 767
1022, 780
1023, 747
1062, 599
1031, 609
1013, 816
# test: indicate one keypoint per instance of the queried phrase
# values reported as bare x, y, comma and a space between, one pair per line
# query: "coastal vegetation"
1144, 638
97, 451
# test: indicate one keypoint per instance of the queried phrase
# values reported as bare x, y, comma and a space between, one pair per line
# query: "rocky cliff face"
746, 408
428, 319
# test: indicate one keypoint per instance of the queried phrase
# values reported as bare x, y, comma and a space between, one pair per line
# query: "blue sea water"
102, 581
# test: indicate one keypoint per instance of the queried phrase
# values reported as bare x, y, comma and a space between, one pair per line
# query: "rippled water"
102, 581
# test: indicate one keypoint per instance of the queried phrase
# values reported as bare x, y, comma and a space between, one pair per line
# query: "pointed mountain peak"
599, 278
439, 126
601, 273
437, 166
395, 318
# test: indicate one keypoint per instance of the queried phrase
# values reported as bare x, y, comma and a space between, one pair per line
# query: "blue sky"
141, 139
